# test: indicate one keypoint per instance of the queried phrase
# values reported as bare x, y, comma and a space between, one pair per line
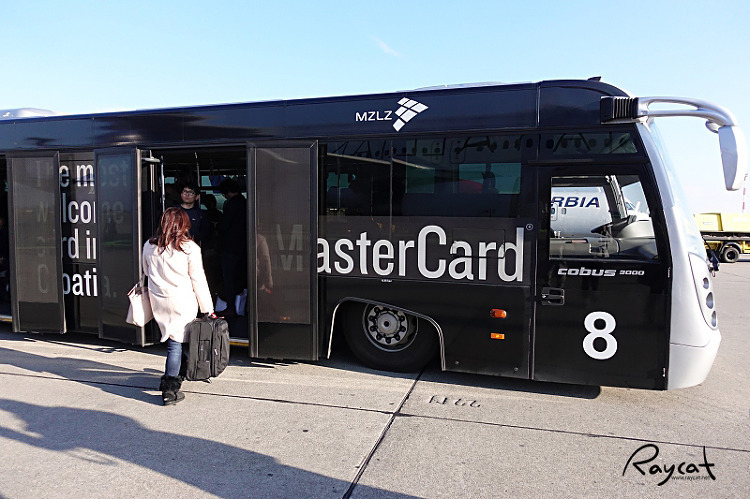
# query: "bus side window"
357, 178
600, 216
445, 177
472, 176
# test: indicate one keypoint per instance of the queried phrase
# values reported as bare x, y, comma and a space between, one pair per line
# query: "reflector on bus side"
497, 313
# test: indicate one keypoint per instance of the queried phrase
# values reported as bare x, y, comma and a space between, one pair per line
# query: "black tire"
400, 342
730, 254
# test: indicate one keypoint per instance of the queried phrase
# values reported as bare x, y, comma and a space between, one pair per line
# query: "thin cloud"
385, 48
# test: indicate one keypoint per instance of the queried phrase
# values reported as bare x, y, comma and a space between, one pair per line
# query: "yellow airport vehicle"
727, 234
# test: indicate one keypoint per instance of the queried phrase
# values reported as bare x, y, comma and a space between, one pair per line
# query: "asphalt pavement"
81, 417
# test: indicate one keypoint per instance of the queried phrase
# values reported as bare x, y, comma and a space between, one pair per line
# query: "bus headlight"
704, 289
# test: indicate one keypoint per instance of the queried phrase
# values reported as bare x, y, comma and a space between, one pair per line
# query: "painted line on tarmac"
569, 432
198, 392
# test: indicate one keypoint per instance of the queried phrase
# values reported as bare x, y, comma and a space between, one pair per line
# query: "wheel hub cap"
386, 327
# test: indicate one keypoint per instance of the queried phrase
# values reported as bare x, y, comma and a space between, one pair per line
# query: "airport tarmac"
81, 417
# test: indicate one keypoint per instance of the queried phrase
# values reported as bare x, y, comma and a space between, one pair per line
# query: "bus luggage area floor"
82, 416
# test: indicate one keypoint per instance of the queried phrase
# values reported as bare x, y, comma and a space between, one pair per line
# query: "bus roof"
454, 108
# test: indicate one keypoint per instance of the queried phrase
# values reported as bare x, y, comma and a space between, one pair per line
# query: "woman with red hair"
177, 289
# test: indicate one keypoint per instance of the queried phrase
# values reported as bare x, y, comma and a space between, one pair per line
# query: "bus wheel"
388, 339
730, 254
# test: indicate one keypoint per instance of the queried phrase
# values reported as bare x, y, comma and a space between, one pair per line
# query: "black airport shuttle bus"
530, 230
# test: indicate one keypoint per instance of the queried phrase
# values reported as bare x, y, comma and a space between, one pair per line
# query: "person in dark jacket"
233, 243
200, 225
210, 246
4, 259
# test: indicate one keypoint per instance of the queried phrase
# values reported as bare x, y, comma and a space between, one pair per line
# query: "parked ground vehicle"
727, 234
416, 224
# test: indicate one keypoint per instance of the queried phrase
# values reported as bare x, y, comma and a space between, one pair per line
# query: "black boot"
170, 390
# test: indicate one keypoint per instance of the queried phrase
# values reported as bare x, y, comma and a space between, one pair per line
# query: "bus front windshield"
681, 208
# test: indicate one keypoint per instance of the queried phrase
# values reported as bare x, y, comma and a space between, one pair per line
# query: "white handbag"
139, 312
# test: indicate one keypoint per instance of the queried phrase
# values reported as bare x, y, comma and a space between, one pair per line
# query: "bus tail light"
704, 289
497, 336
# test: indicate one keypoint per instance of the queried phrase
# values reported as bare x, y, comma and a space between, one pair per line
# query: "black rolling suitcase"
208, 355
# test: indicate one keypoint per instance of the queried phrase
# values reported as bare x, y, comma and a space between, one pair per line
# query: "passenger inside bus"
200, 227
171, 195
4, 259
233, 244
210, 246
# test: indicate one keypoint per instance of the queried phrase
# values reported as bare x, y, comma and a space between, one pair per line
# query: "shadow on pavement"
107, 377
88, 371
433, 374
214, 467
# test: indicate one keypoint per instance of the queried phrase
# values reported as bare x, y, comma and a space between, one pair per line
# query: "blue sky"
86, 56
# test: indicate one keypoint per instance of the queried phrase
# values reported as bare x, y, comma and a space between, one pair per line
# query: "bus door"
35, 245
282, 299
602, 311
119, 173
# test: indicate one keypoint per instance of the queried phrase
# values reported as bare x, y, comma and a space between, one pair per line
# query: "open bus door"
602, 314
119, 181
282, 299
35, 233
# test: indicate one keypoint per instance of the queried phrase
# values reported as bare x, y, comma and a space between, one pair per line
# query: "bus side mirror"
733, 156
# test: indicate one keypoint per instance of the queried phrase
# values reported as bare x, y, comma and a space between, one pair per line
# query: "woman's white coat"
177, 287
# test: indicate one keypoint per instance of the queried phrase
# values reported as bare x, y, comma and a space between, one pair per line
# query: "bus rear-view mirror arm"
718, 120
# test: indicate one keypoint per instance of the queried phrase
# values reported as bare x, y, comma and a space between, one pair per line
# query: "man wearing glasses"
200, 226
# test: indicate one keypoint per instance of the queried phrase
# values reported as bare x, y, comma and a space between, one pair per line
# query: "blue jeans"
174, 358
